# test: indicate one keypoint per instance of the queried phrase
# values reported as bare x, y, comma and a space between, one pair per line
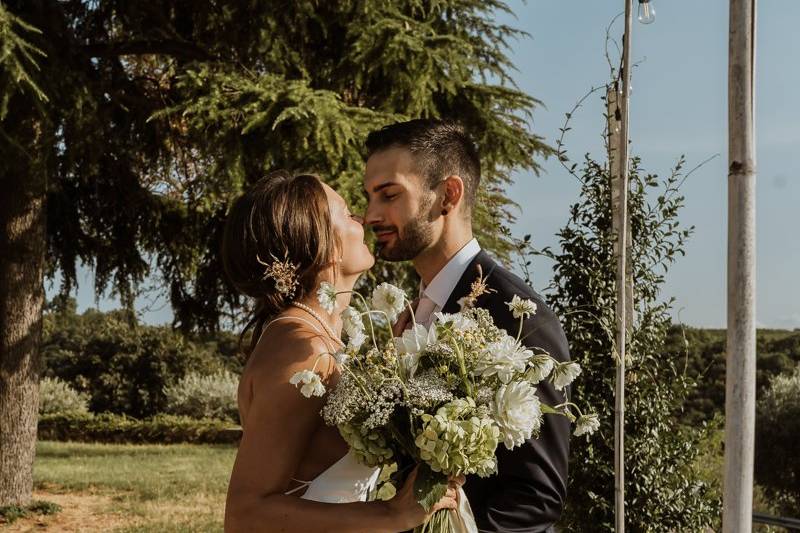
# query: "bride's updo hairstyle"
283, 218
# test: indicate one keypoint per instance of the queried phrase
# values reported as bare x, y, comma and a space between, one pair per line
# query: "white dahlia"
517, 412
504, 358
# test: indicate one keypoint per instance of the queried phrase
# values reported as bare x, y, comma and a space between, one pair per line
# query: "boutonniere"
478, 288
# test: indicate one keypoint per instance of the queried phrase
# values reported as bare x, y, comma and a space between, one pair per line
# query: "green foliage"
18, 58
124, 366
429, 486
777, 463
702, 353
159, 429
159, 114
662, 490
57, 397
11, 513
199, 396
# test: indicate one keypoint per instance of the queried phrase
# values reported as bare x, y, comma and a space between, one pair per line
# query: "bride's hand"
406, 506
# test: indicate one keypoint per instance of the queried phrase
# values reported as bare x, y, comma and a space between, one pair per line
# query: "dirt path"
80, 512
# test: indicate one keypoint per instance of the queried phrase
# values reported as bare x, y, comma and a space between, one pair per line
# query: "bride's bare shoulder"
287, 347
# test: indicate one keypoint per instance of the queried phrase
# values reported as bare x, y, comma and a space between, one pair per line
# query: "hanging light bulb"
647, 12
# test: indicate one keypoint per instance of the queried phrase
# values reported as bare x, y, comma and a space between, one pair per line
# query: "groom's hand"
403, 320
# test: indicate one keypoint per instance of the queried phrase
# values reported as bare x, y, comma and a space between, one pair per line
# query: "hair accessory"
283, 273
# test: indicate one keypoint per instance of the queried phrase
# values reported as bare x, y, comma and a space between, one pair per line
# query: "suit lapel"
465, 282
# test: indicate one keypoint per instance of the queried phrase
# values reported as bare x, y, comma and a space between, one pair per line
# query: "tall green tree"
24, 162
158, 113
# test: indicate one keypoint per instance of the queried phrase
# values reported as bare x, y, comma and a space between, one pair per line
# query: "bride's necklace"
325, 325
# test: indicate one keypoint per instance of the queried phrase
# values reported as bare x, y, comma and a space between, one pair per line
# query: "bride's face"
355, 254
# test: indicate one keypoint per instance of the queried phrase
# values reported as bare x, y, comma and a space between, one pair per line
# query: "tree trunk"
22, 254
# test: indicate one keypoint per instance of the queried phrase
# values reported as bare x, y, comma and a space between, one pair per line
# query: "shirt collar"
446, 279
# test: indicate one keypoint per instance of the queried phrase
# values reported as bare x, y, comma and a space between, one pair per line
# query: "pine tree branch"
169, 47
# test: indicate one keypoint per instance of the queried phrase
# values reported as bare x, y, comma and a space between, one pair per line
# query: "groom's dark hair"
440, 148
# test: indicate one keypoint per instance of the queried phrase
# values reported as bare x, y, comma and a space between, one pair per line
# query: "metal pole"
741, 336
621, 236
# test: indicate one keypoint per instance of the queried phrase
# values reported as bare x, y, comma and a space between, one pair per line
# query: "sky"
678, 106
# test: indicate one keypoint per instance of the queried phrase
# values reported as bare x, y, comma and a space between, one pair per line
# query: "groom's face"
400, 202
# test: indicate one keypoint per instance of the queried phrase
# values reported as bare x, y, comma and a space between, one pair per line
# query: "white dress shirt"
433, 297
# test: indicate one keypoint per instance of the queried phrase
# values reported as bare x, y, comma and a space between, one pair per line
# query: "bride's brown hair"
281, 216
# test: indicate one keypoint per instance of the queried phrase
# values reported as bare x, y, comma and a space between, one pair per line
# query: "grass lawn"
125, 488
131, 488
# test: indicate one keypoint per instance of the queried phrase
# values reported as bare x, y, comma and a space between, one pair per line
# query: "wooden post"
622, 247
740, 375
614, 128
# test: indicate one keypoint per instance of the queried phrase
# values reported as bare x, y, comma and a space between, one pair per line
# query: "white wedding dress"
344, 481
347, 480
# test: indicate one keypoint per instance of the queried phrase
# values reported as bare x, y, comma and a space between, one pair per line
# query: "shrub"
198, 396
777, 463
56, 396
124, 366
663, 490
113, 428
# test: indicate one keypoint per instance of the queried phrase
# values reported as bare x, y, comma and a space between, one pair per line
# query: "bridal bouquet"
445, 396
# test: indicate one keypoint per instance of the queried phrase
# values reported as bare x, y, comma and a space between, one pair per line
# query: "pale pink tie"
424, 311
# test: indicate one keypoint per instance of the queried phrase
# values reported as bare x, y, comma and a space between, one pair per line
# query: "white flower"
521, 308
565, 373
409, 363
389, 299
541, 365
517, 411
312, 383
352, 321
356, 340
326, 295
341, 357
459, 321
586, 425
353, 325
411, 343
505, 358
415, 339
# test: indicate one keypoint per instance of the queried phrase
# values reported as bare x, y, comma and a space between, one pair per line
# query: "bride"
284, 236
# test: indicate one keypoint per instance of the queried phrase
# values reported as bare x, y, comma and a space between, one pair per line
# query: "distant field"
131, 488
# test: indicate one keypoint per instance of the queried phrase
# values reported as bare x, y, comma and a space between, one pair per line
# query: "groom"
422, 180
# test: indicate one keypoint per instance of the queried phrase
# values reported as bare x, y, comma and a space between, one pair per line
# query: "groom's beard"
417, 235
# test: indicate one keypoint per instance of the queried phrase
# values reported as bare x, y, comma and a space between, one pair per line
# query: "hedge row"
113, 428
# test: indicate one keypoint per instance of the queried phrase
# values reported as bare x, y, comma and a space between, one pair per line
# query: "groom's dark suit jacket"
530, 488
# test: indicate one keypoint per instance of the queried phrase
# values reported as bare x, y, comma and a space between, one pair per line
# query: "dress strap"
301, 486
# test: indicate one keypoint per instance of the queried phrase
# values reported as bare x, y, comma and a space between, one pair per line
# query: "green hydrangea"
459, 439
370, 449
